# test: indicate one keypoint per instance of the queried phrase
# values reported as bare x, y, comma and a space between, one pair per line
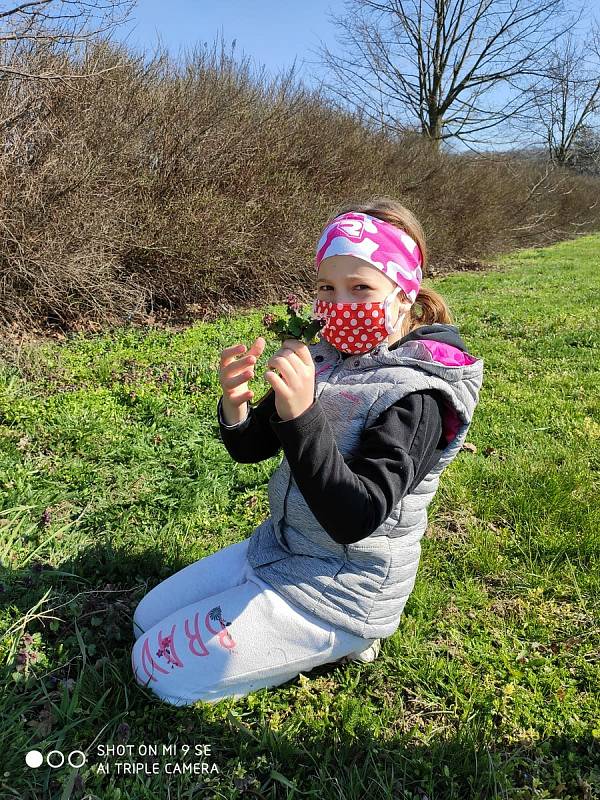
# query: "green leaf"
279, 327
295, 327
277, 776
311, 330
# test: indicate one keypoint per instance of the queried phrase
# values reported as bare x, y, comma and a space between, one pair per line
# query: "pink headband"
383, 245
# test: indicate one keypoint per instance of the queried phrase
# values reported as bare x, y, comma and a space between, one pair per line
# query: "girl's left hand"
295, 387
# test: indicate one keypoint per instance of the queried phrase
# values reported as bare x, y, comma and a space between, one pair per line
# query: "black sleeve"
352, 496
253, 439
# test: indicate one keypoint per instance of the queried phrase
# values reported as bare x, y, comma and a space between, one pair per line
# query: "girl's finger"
231, 381
234, 367
228, 355
300, 350
258, 346
288, 373
296, 362
276, 382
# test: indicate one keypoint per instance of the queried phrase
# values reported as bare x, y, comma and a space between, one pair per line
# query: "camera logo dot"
34, 759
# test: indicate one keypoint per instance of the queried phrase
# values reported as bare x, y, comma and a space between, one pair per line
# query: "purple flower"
293, 304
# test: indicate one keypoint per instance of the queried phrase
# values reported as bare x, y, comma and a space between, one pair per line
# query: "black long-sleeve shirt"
350, 496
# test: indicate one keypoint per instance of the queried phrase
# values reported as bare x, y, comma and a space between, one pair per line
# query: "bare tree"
585, 151
57, 26
433, 64
566, 99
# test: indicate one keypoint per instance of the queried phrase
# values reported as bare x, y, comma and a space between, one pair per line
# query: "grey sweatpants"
215, 629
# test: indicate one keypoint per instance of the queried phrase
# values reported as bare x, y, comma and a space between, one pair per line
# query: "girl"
368, 418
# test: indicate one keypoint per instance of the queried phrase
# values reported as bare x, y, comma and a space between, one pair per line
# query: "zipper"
286, 494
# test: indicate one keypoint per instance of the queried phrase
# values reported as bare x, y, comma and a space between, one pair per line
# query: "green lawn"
113, 475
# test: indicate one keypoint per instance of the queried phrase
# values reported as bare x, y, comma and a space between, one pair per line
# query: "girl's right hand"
236, 370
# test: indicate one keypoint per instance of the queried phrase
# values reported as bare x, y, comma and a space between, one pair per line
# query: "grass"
112, 476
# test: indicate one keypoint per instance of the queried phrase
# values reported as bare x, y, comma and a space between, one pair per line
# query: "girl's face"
348, 279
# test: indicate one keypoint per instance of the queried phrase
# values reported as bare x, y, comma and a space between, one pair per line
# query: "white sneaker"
365, 656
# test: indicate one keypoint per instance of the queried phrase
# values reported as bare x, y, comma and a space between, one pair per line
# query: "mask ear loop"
387, 305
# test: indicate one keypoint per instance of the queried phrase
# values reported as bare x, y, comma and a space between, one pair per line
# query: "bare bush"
159, 185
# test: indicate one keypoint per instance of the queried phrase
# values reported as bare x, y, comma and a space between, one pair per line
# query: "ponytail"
428, 308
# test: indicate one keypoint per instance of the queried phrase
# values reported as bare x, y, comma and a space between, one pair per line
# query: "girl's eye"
360, 286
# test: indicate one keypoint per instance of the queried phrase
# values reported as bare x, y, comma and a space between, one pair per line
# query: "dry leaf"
42, 725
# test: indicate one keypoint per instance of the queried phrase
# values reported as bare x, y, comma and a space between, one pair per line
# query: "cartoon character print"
166, 652
166, 649
223, 636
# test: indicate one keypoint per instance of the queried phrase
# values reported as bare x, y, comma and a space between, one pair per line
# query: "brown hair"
429, 303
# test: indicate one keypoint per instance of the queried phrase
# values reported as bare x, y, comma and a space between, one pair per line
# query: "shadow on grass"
80, 693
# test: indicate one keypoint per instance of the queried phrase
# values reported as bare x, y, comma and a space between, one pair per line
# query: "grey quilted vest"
361, 587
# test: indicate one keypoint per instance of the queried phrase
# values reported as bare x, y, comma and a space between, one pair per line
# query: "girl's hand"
295, 387
235, 370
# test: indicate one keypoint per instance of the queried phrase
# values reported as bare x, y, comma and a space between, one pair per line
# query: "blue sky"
271, 33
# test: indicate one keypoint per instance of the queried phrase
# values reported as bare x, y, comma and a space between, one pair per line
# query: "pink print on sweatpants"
166, 644
166, 649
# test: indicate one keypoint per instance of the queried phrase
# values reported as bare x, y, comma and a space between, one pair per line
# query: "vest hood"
438, 358
439, 331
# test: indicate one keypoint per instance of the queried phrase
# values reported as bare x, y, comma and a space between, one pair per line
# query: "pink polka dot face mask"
357, 327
